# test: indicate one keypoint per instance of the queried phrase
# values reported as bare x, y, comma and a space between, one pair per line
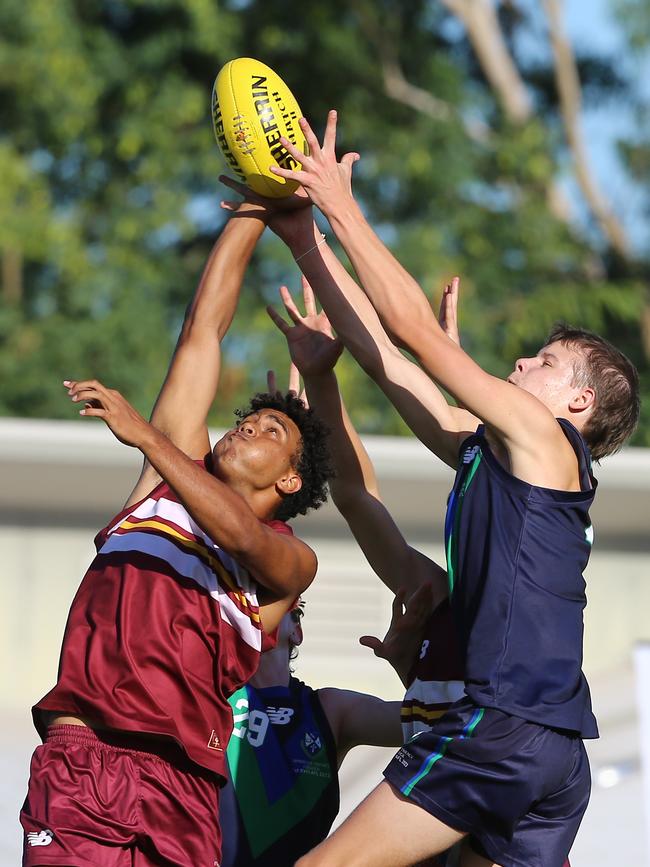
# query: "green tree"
112, 202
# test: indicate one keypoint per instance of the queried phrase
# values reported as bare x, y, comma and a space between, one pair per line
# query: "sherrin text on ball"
252, 108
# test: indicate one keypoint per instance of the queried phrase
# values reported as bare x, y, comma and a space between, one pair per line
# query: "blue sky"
592, 26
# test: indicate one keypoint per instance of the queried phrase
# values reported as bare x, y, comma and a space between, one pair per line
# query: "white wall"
41, 566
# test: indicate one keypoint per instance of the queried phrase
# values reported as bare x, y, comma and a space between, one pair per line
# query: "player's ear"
583, 399
289, 484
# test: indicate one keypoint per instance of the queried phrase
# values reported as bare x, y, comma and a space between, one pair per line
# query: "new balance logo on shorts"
40, 838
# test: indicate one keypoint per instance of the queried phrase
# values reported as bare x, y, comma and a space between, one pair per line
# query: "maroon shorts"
93, 801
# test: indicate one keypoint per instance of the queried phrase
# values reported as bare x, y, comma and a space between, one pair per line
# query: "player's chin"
222, 451
222, 466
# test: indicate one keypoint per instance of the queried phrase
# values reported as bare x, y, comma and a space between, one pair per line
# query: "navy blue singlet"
515, 558
283, 795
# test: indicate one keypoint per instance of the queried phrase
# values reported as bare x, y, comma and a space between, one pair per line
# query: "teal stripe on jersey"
456, 503
432, 758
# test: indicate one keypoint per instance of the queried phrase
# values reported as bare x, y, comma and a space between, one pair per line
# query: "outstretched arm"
190, 386
423, 407
439, 425
354, 490
282, 564
357, 718
365, 719
534, 442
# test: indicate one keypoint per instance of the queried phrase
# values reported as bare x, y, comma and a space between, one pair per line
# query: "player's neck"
263, 503
273, 669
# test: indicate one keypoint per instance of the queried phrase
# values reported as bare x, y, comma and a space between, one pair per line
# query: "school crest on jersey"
311, 744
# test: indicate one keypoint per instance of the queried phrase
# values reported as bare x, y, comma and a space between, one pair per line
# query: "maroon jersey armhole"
102, 535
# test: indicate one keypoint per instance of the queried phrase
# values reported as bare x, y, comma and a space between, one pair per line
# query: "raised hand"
126, 424
327, 182
312, 345
448, 315
286, 216
405, 632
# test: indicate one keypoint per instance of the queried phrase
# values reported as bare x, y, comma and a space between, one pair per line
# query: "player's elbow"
198, 329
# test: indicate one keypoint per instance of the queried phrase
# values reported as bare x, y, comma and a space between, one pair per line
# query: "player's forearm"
387, 725
373, 721
191, 383
215, 299
416, 397
354, 470
348, 309
216, 508
395, 295
405, 313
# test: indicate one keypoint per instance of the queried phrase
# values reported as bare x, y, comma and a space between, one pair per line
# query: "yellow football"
251, 109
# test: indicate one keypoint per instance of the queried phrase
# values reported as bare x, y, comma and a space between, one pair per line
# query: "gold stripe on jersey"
409, 713
196, 548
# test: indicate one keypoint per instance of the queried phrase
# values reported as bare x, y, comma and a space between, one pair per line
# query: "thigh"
80, 810
470, 858
385, 830
476, 769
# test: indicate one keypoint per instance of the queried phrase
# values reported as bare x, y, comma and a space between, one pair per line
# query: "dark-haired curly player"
506, 767
190, 579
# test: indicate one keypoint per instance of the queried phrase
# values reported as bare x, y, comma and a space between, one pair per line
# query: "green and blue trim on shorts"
444, 742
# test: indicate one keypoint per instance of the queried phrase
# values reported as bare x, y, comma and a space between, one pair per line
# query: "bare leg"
385, 830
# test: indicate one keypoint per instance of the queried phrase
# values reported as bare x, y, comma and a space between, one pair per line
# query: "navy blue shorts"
517, 788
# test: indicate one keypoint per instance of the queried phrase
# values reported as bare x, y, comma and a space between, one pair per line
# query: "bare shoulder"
336, 703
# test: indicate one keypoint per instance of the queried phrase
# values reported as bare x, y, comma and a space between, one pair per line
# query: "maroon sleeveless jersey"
164, 627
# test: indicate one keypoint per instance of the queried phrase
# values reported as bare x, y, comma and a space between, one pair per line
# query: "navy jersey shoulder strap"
580, 447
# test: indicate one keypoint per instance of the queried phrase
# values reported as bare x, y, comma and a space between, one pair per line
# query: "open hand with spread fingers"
312, 346
327, 182
128, 426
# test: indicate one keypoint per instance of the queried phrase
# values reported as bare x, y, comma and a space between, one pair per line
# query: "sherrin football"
251, 109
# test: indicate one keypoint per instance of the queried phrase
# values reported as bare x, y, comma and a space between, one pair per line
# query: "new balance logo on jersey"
470, 454
40, 838
280, 716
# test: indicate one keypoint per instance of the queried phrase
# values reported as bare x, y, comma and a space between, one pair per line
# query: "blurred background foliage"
109, 200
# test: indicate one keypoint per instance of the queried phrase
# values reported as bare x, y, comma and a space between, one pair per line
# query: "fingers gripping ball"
251, 109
